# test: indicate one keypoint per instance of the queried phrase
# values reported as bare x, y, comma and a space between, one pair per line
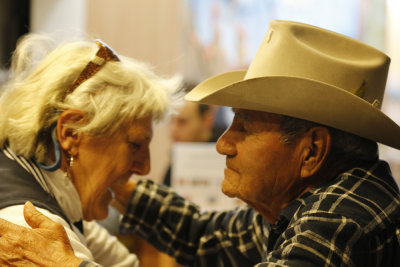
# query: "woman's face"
103, 161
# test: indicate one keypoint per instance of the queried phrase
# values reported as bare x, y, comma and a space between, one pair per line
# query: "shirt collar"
54, 183
287, 213
65, 193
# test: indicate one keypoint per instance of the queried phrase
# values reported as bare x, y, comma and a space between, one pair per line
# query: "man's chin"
228, 189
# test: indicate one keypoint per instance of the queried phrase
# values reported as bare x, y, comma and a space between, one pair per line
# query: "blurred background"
198, 39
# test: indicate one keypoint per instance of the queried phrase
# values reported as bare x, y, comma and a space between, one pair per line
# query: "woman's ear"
67, 136
316, 145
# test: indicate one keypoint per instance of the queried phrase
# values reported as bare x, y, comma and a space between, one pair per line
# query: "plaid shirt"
353, 220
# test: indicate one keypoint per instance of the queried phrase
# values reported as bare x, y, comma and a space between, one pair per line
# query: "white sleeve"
105, 248
15, 215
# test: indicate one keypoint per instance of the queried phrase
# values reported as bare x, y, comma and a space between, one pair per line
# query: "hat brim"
300, 98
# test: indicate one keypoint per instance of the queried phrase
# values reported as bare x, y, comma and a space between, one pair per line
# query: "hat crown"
313, 74
292, 49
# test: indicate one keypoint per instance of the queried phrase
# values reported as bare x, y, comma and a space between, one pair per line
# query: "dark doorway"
14, 22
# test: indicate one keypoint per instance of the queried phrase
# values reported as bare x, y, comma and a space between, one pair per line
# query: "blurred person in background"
194, 122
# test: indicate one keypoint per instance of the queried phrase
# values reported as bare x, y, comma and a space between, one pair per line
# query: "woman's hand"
46, 244
122, 195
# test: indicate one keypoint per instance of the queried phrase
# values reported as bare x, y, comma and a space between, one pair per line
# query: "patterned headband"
104, 54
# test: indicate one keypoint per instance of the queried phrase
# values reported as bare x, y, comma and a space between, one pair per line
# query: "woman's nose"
141, 164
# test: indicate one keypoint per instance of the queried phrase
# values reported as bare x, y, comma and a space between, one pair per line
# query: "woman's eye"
134, 145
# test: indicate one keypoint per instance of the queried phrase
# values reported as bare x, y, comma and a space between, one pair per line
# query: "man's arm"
46, 244
122, 195
194, 238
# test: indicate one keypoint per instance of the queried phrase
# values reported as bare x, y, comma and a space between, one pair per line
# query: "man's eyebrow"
240, 114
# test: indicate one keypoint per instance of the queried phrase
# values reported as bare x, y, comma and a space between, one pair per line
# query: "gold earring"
71, 161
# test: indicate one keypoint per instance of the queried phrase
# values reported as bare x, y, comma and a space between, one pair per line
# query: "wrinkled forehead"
139, 126
255, 115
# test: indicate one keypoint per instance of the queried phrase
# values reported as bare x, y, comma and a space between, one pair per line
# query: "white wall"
66, 16
144, 29
393, 43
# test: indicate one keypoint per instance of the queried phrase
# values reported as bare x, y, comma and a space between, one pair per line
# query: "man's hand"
122, 195
46, 244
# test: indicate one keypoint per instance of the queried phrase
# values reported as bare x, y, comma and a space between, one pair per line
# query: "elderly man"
301, 152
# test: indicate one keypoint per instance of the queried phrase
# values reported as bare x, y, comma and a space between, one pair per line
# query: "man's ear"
316, 145
67, 136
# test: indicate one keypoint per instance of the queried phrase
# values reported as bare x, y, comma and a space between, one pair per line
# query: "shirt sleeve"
177, 227
319, 239
15, 215
88, 264
106, 249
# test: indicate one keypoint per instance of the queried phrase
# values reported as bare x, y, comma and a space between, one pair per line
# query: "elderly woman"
71, 126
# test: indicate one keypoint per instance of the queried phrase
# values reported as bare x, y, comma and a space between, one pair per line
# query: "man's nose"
225, 144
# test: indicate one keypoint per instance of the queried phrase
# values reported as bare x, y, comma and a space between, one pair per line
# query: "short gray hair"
347, 150
33, 99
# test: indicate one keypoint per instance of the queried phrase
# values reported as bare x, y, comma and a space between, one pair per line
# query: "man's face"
189, 125
260, 169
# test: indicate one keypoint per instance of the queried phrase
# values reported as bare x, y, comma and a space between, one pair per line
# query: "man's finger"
35, 218
123, 194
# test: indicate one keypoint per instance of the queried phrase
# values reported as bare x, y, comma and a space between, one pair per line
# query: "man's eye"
243, 128
239, 124
242, 125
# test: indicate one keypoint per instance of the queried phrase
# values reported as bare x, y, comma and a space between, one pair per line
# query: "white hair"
32, 100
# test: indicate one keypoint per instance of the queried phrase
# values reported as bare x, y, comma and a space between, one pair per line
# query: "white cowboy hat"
314, 74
